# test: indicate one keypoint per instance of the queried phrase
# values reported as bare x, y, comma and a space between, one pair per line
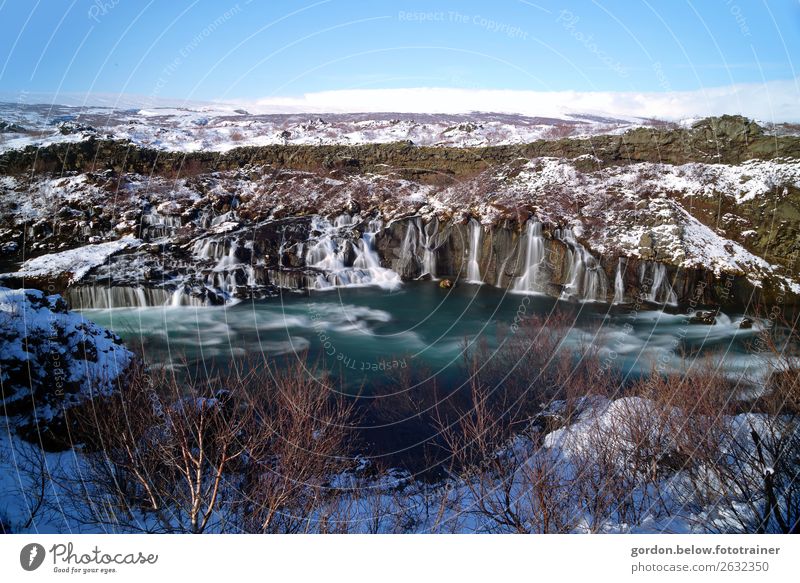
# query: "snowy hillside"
219, 128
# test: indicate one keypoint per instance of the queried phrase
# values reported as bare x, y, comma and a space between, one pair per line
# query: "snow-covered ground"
395, 502
221, 128
51, 358
75, 262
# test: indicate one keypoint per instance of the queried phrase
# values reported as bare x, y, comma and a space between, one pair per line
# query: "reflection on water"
360, 332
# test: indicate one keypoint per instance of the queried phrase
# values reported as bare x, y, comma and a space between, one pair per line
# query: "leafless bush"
537, 436
304, 441
512, 483
507, 485
245, 451
751, 479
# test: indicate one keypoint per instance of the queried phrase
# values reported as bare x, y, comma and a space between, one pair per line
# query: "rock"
71, 127
52, 360
11, 128
646, 246
446, 284
746, 323
708, 318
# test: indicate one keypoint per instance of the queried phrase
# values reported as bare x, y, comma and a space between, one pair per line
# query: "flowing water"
332, 247
619, 282
473, 265
585, 280
530, 280
361, 331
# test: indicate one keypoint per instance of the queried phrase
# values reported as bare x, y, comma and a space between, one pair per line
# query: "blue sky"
250, 50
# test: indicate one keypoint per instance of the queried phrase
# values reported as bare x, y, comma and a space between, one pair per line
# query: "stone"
707, 318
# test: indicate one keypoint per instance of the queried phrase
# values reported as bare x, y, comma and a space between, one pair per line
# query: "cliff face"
562, 268
708, 214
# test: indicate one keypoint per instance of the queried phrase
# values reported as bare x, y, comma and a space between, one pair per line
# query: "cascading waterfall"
419, 245
473, 267
182, 297
428, 233
158, 226
585, 278
619, 282
228, 272
86, 297
341, 251
330, 254
653, 277
534, 257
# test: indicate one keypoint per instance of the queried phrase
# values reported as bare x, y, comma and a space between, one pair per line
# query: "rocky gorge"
707, 215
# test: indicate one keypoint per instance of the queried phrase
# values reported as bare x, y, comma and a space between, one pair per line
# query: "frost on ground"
52, 359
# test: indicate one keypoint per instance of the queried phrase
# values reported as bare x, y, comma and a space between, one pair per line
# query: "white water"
419, 244
653, 276
585, 278
534, 258
619, 282
180, 297
429, 232
157, 225
332, 249
228, 273
473, 268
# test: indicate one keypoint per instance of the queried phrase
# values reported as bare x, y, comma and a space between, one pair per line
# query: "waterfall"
419, 246
331, 252
473, 268
619, 283
181, 297
585, 278
428, 233
654, 275
156, 225
229, 259
211, 249
87, 297
534, 257
91, 297
412, 241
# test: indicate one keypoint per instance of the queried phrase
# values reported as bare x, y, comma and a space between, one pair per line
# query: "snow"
395, 494
615, 207
75, 262
220, 129
41, 336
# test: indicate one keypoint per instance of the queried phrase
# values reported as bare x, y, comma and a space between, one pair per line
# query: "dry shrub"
249, 450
